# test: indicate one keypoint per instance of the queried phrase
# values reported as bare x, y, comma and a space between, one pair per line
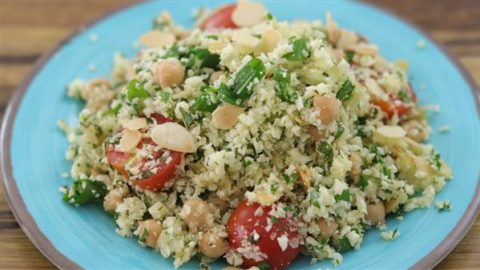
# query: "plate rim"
43, 244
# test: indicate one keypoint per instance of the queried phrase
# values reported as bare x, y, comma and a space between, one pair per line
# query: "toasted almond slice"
173, 136
245, 41
332, 29
216, 47
391, 132
135, 123
373, 87
226, 116
248, 14
154, 39
366, 49
269, 40
129, 140
347, 40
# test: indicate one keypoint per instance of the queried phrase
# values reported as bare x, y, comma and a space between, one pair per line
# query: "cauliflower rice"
303, 117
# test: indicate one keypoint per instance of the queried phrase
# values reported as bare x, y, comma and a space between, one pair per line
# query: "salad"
252, 139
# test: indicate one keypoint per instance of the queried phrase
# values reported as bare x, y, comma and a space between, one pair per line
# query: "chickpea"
197, 214
114, 198
356, 169
327, 229
328, 108
376, 213
150, 229
212, 245
169, 72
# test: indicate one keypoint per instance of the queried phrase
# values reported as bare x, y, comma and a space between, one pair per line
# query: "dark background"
29, 28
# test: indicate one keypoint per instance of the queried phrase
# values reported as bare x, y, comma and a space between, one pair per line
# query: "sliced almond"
248, 14
366, 49
245, 42
373, 87
216, 47
154, 39
269, 40
333, 30
129, 140
173, 136
226, 116
388, 135
135, 124
347, 40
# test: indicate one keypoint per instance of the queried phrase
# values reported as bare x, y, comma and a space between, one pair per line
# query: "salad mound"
252, 139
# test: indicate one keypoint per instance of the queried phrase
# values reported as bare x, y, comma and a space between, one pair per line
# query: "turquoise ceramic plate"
33, 147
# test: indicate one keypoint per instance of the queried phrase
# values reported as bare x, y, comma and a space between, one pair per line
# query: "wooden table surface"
29, 28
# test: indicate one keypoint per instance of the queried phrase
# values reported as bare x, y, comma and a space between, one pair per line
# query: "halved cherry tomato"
394, 105
220, 18
165, 171
250, 222
117, 160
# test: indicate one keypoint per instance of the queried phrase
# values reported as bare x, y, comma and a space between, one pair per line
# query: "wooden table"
29, 28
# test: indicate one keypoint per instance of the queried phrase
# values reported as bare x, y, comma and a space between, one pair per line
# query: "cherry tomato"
252, 224
117, 160
165, 170
394, 105
220, 18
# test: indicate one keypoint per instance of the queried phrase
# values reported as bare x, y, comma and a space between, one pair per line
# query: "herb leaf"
300, 50
242, 87
85, 191
344, 196
225, 95
206, 58
187, 119
136, 90
207, 101
326, 149
345, 91
343, 245
283, 88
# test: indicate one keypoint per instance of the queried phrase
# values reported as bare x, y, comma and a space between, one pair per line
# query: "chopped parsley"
344, 196
283, 88
300, 50
187, 119
345, 91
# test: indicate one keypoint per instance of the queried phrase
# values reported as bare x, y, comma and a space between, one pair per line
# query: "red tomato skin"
220, 19
117, 160
160, 118
165, 173
394, 105
243, 222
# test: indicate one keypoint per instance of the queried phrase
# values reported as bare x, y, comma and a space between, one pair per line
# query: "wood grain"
29, 28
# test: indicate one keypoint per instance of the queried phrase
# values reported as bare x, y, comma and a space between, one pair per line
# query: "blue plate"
33, 147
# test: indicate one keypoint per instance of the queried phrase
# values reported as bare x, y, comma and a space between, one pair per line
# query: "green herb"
212, 37
242, 87
85, 191
404, 96
274, 188
294, 210
283, 88
274, 219
339, 132
136, 90
207, 101
173, 52
363, 183
327, 151
113, 111
269, 16
308, 102
343, 245
289, 179
345, 91
349, 55
206, 58
225, 95
445, 206
437, 160
143, 235
300, 50
164, 96
344, 196
263, 266
187, 119
314, 196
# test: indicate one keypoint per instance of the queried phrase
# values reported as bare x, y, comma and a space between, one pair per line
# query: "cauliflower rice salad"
252, 139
